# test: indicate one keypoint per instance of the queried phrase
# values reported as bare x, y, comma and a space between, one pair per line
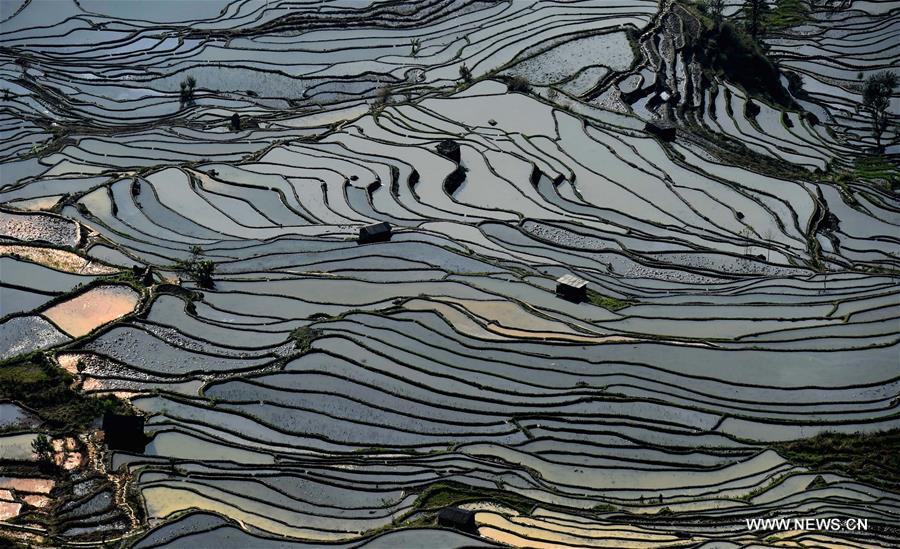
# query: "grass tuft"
607, 302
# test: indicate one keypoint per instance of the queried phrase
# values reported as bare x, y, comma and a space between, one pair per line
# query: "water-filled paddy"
741, 278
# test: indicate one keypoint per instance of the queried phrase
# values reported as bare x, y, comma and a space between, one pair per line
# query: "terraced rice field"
320, 391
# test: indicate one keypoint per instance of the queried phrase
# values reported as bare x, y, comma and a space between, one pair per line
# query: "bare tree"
876, 98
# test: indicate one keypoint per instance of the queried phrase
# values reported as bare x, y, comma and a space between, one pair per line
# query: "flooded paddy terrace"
316, 390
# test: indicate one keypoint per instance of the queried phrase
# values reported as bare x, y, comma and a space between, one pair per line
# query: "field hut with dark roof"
374, 233
458, 519
572, 288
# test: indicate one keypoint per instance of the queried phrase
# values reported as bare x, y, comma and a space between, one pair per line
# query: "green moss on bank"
871, 457
42, 386
607, 302
445, 494
877, 169
787, 13
728, 50
303, 338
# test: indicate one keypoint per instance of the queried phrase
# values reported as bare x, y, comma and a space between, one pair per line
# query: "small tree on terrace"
876, 98
713, 8
465, 73
187, 89
716, 9
756, 13
200, 270
43, 449
518, 83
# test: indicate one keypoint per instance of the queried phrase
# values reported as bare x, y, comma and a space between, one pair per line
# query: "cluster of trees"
876, 91
43, 449
199, 270
755, 13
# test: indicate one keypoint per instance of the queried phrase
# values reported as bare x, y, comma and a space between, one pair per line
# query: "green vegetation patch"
199, 270
877, 169
26, 373
735, 55
446, 494
48, 390
303, 338
607, 302
869, 457
787, 13
730, 51
872, 169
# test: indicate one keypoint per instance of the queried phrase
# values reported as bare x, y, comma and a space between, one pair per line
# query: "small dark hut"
374, 233
125, 433
572, 288
458, 519
449, 149
662, 132
235, 122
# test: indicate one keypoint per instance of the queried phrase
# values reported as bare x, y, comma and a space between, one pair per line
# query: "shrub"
465, 73
199, 270
382, 99
303, 338
43, 448
187, 89
518, 84
383, 96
